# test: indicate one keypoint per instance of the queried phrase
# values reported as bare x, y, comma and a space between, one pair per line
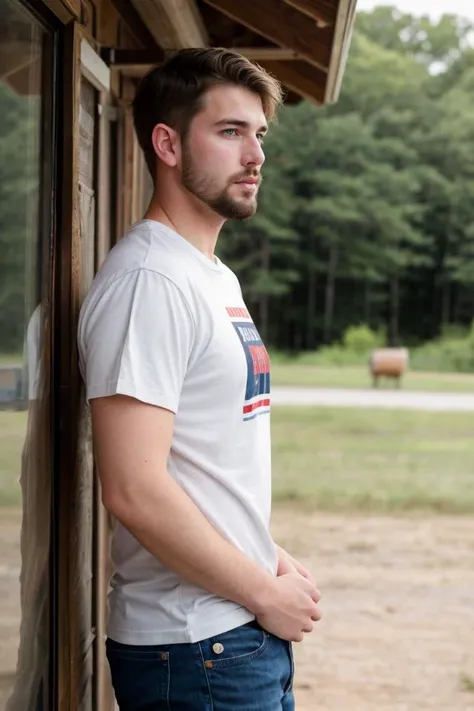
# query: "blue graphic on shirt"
257, 391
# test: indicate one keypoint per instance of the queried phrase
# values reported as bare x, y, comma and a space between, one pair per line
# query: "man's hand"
288, 564
291, 609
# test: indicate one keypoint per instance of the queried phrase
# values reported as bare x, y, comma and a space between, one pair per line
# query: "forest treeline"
367, 207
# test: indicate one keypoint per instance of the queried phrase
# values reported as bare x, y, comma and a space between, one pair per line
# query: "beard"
204, 188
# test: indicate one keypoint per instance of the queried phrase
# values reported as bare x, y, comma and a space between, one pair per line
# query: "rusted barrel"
388, 363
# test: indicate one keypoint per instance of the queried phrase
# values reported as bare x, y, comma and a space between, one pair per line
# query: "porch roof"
304, 43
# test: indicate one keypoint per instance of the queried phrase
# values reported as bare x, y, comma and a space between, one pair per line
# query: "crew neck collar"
182, 243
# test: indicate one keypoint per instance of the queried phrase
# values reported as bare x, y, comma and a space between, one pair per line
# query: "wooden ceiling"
304, 43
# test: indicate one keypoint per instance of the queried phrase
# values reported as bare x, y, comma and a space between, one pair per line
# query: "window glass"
26, 71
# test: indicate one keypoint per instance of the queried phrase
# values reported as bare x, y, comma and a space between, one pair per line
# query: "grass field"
340, 459
386, 461
300, 375
293, 373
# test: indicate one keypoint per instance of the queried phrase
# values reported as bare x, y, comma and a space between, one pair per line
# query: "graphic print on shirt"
257, 391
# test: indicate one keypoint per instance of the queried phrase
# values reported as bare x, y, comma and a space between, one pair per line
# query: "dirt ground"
398, 604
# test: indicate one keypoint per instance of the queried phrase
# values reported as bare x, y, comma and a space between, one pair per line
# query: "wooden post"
67, 404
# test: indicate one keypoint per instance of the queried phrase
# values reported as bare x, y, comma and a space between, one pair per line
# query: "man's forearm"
173, 529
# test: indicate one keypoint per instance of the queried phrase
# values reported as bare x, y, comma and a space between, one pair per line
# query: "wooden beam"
259, 54
300, 77
281, 24
134, 62
323, 11
174, 24
134, 23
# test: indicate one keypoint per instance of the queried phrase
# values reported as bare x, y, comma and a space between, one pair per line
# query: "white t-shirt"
166, 325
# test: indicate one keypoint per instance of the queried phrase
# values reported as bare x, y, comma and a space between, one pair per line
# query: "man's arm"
132, 442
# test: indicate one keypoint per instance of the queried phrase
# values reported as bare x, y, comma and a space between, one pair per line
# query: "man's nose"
253, 155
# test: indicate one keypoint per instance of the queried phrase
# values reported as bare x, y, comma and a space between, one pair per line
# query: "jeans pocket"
239, 646
140, 676
289, 684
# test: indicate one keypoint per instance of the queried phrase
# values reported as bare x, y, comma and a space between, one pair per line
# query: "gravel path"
390, 399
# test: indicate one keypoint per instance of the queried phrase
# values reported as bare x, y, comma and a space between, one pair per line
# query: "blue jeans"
245, 669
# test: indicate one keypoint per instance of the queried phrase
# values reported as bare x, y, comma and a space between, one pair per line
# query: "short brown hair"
172, 93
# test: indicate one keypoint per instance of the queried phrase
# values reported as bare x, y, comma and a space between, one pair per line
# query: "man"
203, 606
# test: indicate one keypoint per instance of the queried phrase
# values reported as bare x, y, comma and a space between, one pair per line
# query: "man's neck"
196, 223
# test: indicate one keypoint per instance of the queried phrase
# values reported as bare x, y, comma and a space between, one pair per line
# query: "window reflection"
25, 461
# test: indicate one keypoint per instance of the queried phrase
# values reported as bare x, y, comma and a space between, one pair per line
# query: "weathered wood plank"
340, 48
173, 23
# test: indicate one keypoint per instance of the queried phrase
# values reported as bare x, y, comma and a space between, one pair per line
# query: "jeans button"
218, 648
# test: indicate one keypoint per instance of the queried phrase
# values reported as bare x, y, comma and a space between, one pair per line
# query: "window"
26, 99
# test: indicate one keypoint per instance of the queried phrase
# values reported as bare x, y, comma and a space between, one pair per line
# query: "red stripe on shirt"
254, 405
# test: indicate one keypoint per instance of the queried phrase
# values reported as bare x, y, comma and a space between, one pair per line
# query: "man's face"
222, 152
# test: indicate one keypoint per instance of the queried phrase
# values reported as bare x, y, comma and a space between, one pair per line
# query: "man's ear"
166, 144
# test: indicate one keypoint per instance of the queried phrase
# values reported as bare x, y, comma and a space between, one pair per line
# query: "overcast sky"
464, 8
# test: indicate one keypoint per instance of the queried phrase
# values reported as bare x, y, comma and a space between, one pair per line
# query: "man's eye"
230, 131
261, 137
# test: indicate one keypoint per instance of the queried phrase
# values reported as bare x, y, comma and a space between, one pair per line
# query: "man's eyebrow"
239, 122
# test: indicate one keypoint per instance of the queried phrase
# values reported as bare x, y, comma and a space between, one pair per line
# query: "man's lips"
248, 181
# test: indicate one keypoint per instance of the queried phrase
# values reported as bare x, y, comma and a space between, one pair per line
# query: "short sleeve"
137, 339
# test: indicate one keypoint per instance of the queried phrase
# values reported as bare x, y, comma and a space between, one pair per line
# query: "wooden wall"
101, 192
